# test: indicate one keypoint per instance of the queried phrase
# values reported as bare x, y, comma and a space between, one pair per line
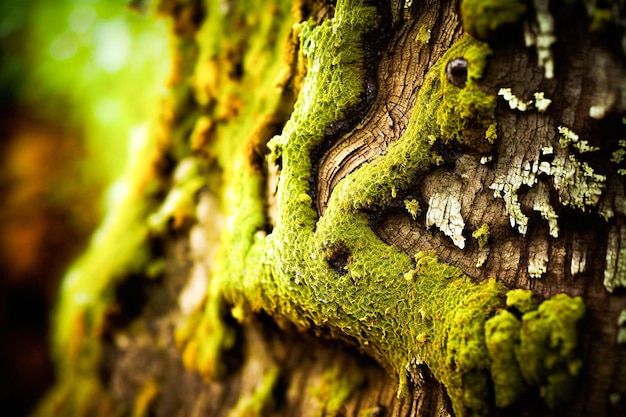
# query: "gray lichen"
444, 212
615, 269
540, 34
540, 102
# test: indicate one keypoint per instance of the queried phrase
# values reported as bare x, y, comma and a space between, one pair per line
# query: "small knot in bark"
456, 72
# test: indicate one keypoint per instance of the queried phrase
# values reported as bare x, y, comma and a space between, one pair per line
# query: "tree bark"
334, 204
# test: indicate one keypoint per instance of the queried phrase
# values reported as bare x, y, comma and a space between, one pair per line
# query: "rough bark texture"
210, 336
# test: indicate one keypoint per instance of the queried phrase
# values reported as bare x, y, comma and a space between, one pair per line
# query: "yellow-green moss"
523, 300
482, 18
481, 235
244, 109
117, 249
335, 387
547, 351
145, 398
413, 207
261, 401
502, 333
537, 351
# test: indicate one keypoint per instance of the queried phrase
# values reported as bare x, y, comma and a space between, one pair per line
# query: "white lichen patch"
540, 102
538, 258
540, 33
483, 255
577, 183
615, 269
207, 229
621, 327
568, 137
515, 103
579, 257
444, 212
541, 204
507, 187
618, 155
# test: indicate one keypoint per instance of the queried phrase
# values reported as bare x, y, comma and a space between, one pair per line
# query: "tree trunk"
366, 208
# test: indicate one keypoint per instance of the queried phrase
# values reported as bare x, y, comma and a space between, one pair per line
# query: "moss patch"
548, 341
482, 18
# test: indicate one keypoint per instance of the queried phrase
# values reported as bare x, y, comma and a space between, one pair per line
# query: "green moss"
482, 18
502, 333
537, 351
481, 235
548, 341
180, 203
77, 395
413, 207
467, 114
335, 387
423, 34
118, 248
523, 300
261, 401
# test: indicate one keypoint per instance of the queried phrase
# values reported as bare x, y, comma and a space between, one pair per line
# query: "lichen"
540, 102
576, 182
538, 258
423, 34
514, 102
540, 33
619, 155
568, 137
444, 211
615, 259
621, 327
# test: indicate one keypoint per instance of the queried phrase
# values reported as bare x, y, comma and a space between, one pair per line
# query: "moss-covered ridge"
334, 272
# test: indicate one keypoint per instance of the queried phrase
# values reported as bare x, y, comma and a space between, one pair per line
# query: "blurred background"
79, 80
